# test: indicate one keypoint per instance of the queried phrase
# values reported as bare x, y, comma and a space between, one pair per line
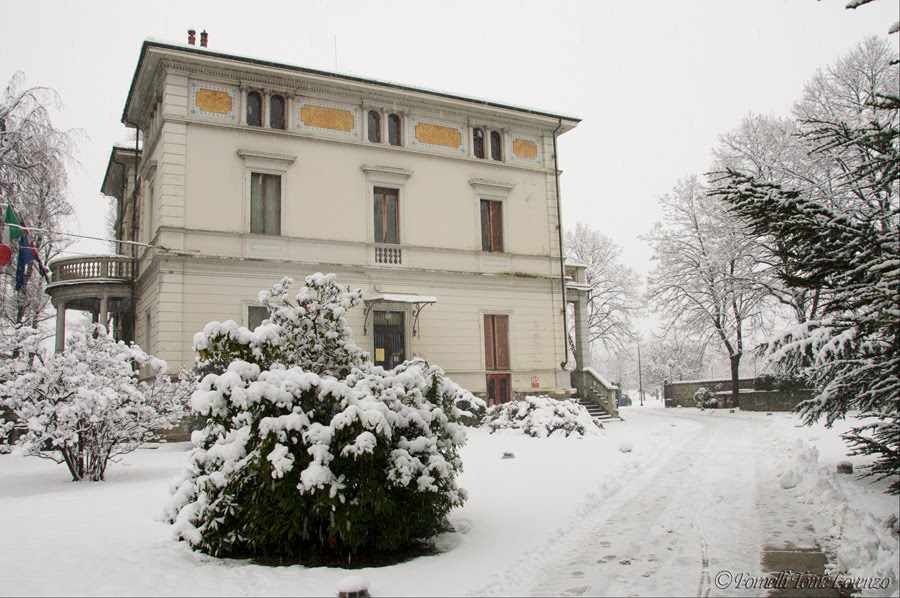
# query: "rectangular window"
265, 204
255, 315
387, 215
491, 225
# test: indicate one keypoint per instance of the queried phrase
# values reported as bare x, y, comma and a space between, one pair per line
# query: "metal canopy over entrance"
419, 302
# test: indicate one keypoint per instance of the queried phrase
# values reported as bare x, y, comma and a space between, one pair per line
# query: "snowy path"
710, 503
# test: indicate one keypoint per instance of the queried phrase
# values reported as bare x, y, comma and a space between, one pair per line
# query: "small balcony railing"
388, 254
107, 267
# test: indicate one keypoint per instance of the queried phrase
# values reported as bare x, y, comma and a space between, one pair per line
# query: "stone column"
582, 331
60, 327
103, 318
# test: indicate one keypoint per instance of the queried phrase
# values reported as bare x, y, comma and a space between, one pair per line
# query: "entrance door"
497, 389
496, 358
390, 338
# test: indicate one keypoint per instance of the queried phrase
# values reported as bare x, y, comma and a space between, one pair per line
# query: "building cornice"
238, 69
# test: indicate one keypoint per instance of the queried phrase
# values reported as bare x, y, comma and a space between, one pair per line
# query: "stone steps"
596, 411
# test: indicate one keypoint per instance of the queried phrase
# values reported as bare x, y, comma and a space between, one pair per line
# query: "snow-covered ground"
699, 493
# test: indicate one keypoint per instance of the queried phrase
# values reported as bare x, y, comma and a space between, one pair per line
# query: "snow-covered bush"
309, 449
86, 406
541, 416
705, 398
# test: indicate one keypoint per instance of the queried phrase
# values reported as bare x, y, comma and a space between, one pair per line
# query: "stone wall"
773, 400
682, 392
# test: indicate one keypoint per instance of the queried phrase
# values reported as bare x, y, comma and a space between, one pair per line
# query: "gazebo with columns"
101, 285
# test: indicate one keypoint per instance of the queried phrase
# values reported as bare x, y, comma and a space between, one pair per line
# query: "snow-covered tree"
840, 240
614, 298
678, 354
850, 351
86, 406
707, 273
310, 449
34, 180
782, 151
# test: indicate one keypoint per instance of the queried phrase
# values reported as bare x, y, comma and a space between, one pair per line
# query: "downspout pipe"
562, 256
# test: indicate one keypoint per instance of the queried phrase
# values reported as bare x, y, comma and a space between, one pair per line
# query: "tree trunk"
735, 385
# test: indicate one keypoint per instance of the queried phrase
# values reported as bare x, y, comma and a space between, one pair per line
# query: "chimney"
192, 37
204, 38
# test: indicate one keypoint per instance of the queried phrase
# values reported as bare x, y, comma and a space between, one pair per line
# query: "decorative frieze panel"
525, 149
329, 118
214, 100
438, 135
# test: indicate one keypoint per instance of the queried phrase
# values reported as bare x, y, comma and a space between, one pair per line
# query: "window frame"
491, 190
259, 96
373, 115
496, 147
266, 163
392, 119
391, 177
478, 142
284, 108
274, 176
494, 229
387, 192
249, 306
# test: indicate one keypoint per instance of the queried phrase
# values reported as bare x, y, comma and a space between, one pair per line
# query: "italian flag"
11, 231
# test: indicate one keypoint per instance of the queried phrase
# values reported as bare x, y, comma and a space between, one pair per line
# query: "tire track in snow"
647, 536
615, 493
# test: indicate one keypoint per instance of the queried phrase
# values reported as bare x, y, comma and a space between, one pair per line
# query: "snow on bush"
541, 416
705, 398
86, 406
309, 449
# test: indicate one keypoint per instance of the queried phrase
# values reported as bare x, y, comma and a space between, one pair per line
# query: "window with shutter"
387, 215
491, 225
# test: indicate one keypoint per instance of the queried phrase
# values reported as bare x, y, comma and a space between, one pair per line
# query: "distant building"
442, 209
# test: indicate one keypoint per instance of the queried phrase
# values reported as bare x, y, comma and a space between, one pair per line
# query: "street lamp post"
640, 377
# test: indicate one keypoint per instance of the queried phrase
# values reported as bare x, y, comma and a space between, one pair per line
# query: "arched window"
394, 129
374, 125
496, 153
276, 112
478, 142
254, 109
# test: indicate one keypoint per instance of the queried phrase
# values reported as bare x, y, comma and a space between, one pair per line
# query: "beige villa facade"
444, 210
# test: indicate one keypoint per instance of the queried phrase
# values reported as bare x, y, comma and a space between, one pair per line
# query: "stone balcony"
99, 284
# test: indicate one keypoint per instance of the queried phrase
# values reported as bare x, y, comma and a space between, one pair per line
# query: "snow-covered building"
443, 209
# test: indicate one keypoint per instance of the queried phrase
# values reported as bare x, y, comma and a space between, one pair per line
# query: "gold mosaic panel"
215, 102
438, 135
327, 118
524, 148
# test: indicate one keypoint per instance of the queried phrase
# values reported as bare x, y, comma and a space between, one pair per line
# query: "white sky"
655, 82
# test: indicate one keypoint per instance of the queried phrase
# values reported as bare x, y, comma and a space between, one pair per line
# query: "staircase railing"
591, 385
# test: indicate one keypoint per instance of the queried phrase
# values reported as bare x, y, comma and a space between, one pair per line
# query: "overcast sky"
655, 82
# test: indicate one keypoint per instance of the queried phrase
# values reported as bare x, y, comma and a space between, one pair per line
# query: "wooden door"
496, 358
497, 389
390, 338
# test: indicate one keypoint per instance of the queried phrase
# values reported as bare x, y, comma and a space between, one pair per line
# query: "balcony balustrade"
108, 267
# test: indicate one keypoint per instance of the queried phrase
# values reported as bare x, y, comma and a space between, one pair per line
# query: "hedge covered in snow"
309, 449
541, 416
